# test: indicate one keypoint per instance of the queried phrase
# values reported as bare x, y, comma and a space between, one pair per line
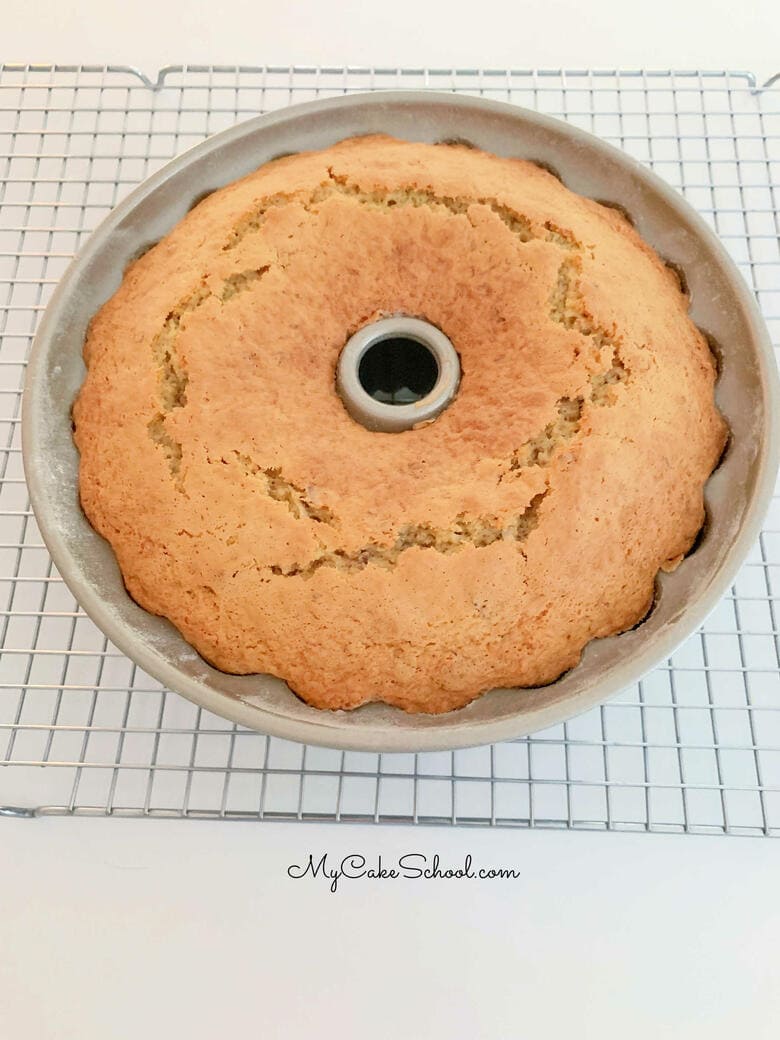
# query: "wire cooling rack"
693, 747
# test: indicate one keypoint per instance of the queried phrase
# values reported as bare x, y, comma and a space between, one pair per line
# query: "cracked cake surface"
419, 568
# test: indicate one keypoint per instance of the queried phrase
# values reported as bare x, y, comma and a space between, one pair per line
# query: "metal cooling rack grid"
694, 747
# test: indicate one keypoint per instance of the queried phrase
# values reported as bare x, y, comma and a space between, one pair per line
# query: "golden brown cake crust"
419, 568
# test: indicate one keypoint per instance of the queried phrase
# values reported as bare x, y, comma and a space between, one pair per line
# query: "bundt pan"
737, 494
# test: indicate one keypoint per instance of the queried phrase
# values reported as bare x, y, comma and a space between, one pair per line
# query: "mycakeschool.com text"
411, 866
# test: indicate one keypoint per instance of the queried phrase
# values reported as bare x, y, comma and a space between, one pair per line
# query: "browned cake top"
420, 568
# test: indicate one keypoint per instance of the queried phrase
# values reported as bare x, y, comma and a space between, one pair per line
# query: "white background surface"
705, 34
114, 929
128, 929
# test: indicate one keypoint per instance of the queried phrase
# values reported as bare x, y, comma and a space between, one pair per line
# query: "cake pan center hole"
398, 371
397, 374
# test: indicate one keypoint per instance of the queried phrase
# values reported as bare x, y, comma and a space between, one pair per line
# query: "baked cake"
419, 568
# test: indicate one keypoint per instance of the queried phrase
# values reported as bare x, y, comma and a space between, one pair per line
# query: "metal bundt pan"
737, 495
